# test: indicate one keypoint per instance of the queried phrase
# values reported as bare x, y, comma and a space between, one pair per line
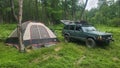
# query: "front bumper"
105, 40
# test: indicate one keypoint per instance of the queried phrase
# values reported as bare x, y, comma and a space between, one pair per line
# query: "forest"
52, 11
105, 17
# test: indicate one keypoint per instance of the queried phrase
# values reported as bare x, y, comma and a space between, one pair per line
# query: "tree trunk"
44, 11
12, 10
82, 13
73, 10
65, 9
22, 48
37, 14
1, 19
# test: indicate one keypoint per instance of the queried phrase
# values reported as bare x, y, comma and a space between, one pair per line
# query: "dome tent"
35, 34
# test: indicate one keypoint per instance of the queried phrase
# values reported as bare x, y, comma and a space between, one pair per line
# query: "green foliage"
46, 11
62, 55
115, 22
5, 30
107, 14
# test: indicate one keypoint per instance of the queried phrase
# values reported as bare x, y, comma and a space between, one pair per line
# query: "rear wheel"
90, 43
67, 38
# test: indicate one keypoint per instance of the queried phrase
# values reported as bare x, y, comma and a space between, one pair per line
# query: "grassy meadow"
62, 55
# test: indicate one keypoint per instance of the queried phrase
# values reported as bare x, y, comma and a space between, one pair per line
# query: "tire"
107, 43
90, 43
67, 38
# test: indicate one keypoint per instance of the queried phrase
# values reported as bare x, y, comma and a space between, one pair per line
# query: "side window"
72, 27
78, 28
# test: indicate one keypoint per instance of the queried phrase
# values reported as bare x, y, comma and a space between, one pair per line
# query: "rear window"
66, 27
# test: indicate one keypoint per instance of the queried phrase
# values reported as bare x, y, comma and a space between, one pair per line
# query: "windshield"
87, 29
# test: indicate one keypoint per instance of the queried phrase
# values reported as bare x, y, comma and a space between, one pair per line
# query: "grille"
106, 36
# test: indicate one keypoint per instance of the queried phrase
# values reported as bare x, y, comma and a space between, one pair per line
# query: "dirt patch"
79, 61
115, 59
58, 49
43, 58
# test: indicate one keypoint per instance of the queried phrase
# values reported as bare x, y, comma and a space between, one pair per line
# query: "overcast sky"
91, 4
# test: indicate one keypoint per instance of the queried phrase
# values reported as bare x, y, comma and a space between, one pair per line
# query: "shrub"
115, 22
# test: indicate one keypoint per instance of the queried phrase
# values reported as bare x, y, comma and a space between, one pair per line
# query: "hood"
98, 33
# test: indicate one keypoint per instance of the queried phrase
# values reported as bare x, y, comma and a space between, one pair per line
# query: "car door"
72, 31
79, 34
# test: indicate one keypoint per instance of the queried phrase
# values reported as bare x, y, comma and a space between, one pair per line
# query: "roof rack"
66, 22
82, 22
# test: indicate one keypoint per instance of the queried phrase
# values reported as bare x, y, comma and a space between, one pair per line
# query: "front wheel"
90, 43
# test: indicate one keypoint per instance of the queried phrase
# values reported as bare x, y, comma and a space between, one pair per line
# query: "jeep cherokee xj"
86, 33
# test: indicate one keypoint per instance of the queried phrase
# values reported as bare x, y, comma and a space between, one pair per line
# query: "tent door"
39, 34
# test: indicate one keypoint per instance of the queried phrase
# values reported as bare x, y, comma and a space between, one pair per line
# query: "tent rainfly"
35, 34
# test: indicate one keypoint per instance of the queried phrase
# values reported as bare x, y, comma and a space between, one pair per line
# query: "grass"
5, 30
62, 55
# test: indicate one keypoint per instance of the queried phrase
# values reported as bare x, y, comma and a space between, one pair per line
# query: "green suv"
85, 32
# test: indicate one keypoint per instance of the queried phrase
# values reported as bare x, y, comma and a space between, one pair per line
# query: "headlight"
100, 37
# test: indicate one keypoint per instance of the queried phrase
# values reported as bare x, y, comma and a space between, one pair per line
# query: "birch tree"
22, 48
